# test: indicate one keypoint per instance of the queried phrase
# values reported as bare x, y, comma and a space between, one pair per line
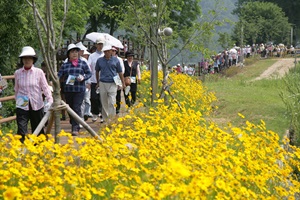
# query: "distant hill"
206, 6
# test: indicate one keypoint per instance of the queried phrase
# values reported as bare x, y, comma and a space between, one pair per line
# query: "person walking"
86, 104
96, 105
75, 71
118, 97
108, 81
30, 85
132, 70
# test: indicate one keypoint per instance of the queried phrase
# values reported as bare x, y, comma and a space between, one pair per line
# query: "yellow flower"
11, 193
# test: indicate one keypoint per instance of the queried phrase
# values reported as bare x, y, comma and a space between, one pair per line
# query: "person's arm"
122, 79
138, 71
97, 69
45, 87
87, 72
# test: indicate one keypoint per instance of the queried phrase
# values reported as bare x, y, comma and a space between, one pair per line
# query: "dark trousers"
132, 93
118, 101
96, 105
74, 99
23, 116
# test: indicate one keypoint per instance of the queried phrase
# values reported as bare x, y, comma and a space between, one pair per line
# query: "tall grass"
291, 97
257, 100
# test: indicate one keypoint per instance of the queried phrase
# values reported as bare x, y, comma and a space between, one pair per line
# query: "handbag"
127, 79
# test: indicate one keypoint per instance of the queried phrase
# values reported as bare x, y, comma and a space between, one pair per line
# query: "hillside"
256, 100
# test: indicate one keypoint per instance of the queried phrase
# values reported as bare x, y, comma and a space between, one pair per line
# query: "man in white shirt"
96, 106
118, 97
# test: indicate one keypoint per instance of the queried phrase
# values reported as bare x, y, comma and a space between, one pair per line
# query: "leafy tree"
225, 40
16, 31
262, 22
105, 14
50, 19
290, 9
191, 29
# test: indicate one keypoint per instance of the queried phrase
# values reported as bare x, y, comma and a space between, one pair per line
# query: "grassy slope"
258, 100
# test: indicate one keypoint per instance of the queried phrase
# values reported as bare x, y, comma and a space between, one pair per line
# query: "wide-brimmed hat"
100, 40
114, 48
85, 52
72, 46
129, 53
81, 46
28, 51
106, 48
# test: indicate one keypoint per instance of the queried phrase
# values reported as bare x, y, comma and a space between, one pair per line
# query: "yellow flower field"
161, 153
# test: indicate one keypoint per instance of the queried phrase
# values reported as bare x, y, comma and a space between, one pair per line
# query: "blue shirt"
108, 68
68, 69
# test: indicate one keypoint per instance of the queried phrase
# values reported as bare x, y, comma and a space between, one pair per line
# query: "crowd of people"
91, 84
236, 55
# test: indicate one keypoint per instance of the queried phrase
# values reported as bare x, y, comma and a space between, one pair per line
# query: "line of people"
90, 84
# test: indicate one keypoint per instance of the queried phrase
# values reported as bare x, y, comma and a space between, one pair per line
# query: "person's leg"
69, 100
133, 90
36, 117
94, 102
87, 102
111, 97
104, 100
118, 101
22, 122
76, 107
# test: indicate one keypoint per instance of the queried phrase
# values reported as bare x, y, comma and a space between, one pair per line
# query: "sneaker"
101, 119
85, 117
75, 133
94, 118
80, 126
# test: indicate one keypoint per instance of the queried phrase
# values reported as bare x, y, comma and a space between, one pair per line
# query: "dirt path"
278, 69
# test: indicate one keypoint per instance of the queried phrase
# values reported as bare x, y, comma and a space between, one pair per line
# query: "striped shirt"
32, 83
68, 69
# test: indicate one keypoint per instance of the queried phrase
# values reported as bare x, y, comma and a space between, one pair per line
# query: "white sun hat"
100, 40
73, 46
86, 52
106, 48
81, 46
28, 51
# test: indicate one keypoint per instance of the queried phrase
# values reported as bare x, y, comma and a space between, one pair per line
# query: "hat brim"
128, 55
77, 48
24, 55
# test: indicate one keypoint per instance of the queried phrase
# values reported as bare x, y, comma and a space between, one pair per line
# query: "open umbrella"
108, 38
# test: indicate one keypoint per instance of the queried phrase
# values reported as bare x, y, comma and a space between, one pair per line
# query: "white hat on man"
100, 40
107, 48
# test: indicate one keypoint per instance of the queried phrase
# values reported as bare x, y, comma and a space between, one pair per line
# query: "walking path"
278, 69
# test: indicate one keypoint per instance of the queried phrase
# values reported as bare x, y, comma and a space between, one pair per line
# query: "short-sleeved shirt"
68, 68
108, 68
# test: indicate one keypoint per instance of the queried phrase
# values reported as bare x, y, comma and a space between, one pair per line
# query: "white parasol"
108, 38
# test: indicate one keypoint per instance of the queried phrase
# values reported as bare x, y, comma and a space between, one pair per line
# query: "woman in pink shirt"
30, 84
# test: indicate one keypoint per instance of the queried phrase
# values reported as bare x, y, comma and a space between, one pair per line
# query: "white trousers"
108, 93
